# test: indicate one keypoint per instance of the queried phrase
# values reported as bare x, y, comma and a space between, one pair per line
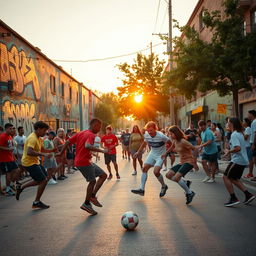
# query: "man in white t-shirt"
156, 140
252, 117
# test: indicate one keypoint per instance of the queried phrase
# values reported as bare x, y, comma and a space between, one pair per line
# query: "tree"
143, 77
226, 64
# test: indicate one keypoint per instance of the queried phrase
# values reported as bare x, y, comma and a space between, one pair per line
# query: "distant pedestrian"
239, 161
125, 138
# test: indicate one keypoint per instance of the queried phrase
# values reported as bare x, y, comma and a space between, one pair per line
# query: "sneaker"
206, 179
118, 176
52, 182
64, 176
9, 193
134, 173
18, 192
249, 199
164, 169
188, 182
88, 208
40, 205
248, 176
61, 178
232, 202
138, 191
110, 176
95, 201
163, 191
211, 180
190, 197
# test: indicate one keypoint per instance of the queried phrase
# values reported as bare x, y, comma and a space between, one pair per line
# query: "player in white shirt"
156, 140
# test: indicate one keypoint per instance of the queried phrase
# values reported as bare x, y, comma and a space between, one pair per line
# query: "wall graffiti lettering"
20, 115
16, 66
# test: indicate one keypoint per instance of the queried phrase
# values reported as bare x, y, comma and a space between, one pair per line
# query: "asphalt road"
167, 226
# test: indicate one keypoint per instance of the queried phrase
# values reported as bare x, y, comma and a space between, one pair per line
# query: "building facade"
32, 88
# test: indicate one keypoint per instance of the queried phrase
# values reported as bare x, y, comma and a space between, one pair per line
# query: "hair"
40, 125
1, 129
109, 128
214, 124
237, 125
151, 124
201, 123
179, 134
137, 128
247, 121
209, 121
69, 130
52, 133
8, 125
19, 128
252, 112
60, 130
95, 120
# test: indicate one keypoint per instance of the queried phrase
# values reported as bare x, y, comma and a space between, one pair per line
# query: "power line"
166, 9
159, 1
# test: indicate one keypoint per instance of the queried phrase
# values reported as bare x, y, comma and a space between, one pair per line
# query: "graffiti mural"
16, 66
20, 115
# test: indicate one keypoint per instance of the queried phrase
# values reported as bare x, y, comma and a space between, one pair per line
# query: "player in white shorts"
156, 140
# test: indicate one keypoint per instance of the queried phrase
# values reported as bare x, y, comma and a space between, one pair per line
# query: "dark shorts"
70, 156
182, 168
37, 172
8, 166
90, 172
110, 158
234, 171
210, 157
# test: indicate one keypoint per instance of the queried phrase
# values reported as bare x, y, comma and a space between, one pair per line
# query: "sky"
94, 29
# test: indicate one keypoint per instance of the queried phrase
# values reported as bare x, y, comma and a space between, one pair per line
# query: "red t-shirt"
109, 140
83, 155
6, 141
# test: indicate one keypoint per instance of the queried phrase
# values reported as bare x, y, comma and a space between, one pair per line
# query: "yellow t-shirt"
36, 143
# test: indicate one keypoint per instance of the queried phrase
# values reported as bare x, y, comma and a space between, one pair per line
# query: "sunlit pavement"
167, 226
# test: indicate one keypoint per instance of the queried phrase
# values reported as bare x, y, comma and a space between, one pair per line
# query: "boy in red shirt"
84, 142
7, 161
110, 142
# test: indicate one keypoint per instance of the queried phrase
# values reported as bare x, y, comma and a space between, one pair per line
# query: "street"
167, 226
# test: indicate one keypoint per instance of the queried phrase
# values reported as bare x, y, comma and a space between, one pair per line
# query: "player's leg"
205, 167
107, 159
159, 176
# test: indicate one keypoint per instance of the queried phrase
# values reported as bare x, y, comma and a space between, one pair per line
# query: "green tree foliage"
143, 77
227, 63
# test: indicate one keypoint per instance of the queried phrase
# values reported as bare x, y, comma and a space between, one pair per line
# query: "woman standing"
239, 161
185, 151
135, 142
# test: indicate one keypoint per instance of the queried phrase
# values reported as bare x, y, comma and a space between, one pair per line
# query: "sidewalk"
222, 167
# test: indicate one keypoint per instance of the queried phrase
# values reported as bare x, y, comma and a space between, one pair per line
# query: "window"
244, 28
253, 21
53, 84
201, 22
70, 93
62, 87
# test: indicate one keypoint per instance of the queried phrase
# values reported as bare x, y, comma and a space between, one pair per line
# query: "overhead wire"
159, 2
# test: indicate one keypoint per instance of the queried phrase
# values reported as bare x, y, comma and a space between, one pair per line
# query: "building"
210, 105
33, 87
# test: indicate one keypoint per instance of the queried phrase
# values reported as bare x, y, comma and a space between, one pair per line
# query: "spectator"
217, 136
209, 123
252, 117
125, 138
70, 152
97, 142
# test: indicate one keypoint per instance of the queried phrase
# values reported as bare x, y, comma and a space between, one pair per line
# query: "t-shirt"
6, 141
206, 136
83, 154
33, 142
20, 142
135, 141
193, 132
248, 131
184, 149
237, 139
253, 129
125, 137
109, 140
48, 144
156, 143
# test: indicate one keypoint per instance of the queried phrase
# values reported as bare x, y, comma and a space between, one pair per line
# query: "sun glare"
138, 98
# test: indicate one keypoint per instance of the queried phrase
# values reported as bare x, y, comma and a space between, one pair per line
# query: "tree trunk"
235, 109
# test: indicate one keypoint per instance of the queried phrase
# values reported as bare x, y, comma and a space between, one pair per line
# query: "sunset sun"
138, 98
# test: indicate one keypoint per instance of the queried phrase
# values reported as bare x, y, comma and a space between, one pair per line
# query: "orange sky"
93, 29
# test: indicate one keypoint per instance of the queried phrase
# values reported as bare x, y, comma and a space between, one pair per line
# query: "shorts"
125, 147
90, 172
249, 153
50, 163
70, 156
110, 158
154, 160
37, 172
182, 168
234, 171
8, 166
213, 158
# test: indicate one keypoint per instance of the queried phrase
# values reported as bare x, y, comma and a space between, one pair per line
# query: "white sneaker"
134, 173
164, 169
52, 182
206, 179
211, 180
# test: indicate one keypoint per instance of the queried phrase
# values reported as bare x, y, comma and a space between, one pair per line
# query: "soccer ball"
130, 220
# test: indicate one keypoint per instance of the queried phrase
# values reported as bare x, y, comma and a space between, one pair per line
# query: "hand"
135, 155
105, 150
49, 155
11, 149
163, 156
226, 152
